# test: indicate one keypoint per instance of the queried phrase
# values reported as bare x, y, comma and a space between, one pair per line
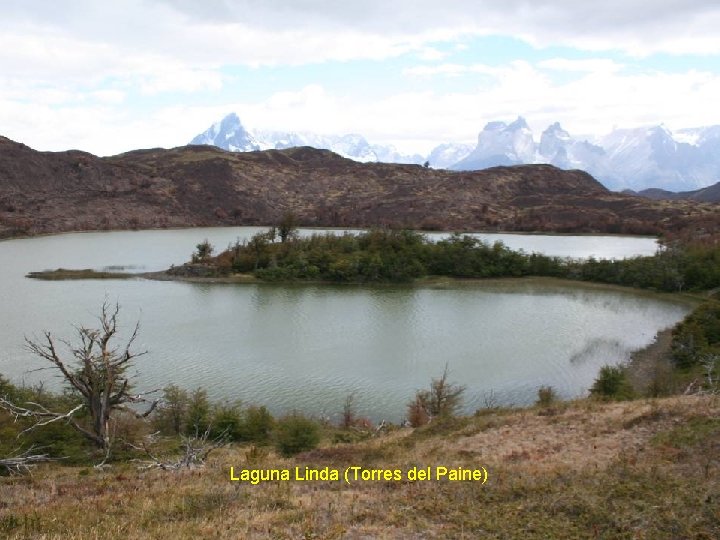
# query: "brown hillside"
43, 192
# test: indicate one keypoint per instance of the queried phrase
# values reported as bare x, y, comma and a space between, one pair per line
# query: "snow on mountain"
554, 140
389, 154
637, 155
501, 144
685, 160
702, 136
637, 158
446, 155
355, 147
229, 134
559, 148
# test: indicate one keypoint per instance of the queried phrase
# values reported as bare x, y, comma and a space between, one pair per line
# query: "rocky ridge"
47, 192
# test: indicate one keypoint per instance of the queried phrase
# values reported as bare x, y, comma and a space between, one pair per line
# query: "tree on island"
203, 251
287, 228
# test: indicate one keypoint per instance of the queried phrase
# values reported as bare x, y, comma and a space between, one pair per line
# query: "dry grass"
642, 469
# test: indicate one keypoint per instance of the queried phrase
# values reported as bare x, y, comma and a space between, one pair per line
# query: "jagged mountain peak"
229, 134
556, 130
498, 125
500, 143
519, 123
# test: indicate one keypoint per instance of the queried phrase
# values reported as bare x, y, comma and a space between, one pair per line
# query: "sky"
108, 77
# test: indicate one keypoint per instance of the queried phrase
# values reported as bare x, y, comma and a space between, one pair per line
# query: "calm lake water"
308, 347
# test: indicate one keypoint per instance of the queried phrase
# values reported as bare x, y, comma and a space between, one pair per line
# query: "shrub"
227, 421
258, 425
198, 413
203, 251
443, 398
171, 417
697, 335
417, 415
546, 396
295, 433
611, 383
348, 414
56, 439
7, 390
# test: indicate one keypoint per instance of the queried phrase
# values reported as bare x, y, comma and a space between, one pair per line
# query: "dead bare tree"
710, 363
96, 373
711, 386
195, 451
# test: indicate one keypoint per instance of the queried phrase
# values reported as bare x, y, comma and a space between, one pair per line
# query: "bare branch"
195, 452
21, 463
41, 414
95, 370
48, 352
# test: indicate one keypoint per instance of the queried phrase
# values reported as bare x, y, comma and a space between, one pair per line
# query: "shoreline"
652, 364
432, 282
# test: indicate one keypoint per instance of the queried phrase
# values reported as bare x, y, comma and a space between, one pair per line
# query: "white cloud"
636, 26
430, 54
593, 65
108, 97
450, 70
591, 103
71, 73
87, 38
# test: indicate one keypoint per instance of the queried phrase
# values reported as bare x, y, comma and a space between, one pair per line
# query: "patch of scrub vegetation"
585, 472
389, 255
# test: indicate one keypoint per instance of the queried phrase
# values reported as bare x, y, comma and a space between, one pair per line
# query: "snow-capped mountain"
501, 144
641, 155
230, 134
637, 158
654, 156
559, 148
446, 155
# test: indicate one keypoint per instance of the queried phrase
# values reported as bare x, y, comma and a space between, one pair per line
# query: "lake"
307, 347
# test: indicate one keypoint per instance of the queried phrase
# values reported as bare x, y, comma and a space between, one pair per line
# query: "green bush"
171, 416
258, 425
198, 419
295, 433
612, 384
546, 396
697, 335
227, 421
56, 439
192, 414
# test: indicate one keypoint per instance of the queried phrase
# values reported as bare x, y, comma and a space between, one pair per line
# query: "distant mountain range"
708, 194
230, 134
635, 159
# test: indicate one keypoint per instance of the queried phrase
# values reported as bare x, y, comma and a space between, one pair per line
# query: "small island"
392, 256
86, 273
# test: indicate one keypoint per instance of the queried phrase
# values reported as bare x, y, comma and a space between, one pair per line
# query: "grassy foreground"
586, 469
